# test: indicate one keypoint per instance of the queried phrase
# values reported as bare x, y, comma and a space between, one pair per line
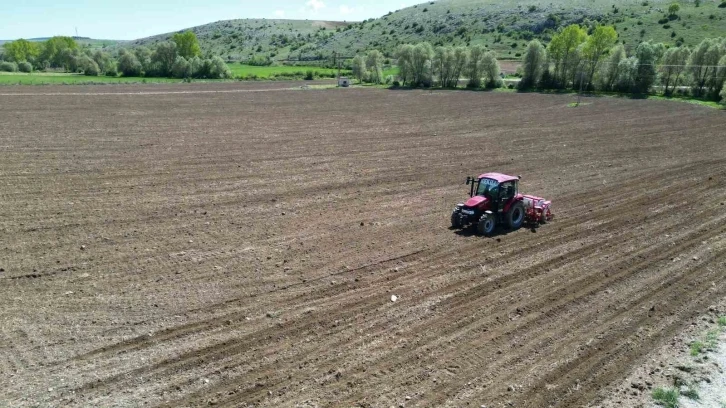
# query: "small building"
344, 82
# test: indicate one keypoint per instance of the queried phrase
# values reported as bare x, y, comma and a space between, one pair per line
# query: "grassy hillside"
506, 26
245, 39
503, 26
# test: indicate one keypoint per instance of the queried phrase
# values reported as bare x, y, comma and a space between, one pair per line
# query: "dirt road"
241, 248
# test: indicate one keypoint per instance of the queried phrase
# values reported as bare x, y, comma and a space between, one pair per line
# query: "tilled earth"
241, 248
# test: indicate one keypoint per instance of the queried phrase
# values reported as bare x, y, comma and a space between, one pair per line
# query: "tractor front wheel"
455, 220
486, 225
515, 216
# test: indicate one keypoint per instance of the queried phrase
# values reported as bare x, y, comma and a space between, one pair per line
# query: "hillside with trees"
259, 41
505, 27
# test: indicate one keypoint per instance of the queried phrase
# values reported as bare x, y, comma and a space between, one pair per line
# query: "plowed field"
241, 248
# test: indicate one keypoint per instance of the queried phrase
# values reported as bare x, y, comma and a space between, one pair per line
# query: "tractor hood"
476, 201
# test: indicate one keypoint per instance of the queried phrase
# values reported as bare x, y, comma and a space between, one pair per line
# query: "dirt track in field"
242, 248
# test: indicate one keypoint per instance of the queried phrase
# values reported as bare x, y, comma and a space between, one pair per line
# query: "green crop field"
43, 78
246, 71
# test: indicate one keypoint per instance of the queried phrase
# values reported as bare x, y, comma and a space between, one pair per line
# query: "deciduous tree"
602, 39
423, 54
475, 66
491, 70
163, 57
187, 44
611, 68
404, 55
359, 68
647, 56
673, 66
22, 50
129, 64
53, 51
535, 60
561, 50
374, 66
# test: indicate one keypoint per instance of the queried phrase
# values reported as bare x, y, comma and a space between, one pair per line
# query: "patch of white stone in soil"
712, 393
673, 367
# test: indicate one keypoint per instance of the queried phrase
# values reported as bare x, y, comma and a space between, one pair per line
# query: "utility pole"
337, 62
579, 94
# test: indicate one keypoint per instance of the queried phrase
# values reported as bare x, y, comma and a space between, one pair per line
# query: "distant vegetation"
505, 27
178, 58
576, 59
632, 46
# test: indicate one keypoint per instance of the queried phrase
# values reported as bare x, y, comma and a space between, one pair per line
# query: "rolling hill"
246, 38
503, 26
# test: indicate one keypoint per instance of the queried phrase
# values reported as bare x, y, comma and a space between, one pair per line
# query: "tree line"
422, 65
178, 58
576, 59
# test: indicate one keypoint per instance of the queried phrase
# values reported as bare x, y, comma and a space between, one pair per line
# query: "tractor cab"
492, 190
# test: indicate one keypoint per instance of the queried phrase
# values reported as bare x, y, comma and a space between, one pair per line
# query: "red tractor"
495, 200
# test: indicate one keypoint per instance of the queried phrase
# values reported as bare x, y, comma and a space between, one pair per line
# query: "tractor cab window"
488, 188
507, 190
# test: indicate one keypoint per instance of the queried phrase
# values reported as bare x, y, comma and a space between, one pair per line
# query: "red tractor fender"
517, 198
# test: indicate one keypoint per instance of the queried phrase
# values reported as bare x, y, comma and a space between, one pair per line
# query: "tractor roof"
499, 177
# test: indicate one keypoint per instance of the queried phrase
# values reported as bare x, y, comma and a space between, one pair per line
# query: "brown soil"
241, 248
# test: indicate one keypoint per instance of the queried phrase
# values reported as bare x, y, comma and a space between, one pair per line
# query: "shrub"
696, 348
25, 66
218, 68
723, 4
129, 65
181, 68
111, 70
666, 398
396, 84
309, 75
8, 66
90, 68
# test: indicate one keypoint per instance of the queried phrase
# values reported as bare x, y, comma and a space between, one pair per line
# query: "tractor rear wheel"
455, 220
486, 225
515, 216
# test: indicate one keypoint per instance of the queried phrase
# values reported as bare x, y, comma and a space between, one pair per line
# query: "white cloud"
345, 10
314, 6
280, 13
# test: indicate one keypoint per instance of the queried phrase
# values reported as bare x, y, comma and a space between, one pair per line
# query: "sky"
132, 19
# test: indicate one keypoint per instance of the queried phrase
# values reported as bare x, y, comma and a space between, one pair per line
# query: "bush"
723, 4
396, 84
309, 75
8, 66
129, 65
25, 66
91, 68
181, 68
111, 70
218, 69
